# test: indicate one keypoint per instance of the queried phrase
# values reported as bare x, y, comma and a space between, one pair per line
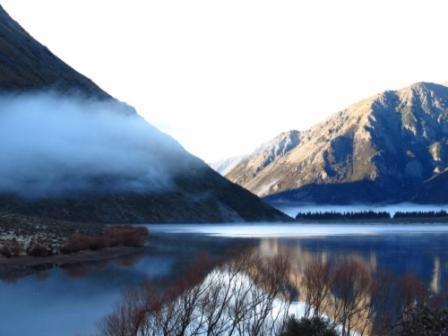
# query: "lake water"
72, 300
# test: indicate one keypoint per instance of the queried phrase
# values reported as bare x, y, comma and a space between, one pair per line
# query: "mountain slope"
261, 157
26, 64
379, 149
270, 152
225, 166
198, 194
433, 190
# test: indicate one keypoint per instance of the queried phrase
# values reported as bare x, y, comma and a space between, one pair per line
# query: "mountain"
198, 194
25, 64
226, 165
262, 157
433, 190
379, 149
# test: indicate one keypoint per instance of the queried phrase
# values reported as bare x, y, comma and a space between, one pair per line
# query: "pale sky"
224, 76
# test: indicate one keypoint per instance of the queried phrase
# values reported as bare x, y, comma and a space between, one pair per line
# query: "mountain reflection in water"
71, 300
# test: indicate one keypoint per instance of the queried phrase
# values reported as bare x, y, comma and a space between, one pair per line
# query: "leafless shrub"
250, 296
351, 288
384, 303
239, 298
315, 284
410, 291
126, 319
359, 300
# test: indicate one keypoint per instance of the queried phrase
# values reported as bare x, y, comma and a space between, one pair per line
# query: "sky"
222, 77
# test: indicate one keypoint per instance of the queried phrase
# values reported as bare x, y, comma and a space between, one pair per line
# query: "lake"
73, 300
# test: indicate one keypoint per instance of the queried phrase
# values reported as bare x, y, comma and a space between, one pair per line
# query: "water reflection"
72, 299
436, 276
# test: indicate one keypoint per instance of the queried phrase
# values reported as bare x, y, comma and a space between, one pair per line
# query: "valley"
110, 226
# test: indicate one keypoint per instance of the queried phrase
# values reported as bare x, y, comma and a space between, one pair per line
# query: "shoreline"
26, 265
19, 266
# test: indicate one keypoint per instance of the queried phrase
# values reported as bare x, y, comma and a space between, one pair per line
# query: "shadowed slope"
197, 195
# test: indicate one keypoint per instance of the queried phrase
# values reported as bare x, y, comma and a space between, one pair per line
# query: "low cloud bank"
51, 145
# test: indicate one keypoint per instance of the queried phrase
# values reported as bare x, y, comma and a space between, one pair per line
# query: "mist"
52, 145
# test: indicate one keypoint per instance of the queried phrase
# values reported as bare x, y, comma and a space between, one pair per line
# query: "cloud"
52, 145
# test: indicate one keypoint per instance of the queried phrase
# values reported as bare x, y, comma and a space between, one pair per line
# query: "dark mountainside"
25, 64
201, 195
381, 149
433, 190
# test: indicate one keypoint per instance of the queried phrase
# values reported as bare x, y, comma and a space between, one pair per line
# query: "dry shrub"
238, 298
76, 242
368, 303
39, 250
315, 283
410, 290
351, 286
241, 297
10, 249
124, 235
111, 237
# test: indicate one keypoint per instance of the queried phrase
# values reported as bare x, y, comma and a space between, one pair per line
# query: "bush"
233, 299
113, 236
10, 249
308, 327
127, 236
39, 250
76, 242
422, 320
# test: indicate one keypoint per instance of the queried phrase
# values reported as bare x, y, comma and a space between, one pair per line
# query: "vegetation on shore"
351, 215
110, 237
40, 237
314, 326
373, 215
254, 296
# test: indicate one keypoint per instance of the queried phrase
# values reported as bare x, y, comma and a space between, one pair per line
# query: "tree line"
370, 214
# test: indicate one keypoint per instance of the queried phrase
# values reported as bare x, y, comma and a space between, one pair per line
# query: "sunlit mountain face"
380, 149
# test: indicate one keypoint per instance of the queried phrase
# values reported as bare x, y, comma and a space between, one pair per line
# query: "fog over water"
52, 144
279, 230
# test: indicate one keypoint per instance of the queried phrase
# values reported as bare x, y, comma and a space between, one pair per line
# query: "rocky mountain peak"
280, 145
391, 141
426, 94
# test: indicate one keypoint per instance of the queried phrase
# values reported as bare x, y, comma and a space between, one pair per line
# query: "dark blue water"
73, 300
